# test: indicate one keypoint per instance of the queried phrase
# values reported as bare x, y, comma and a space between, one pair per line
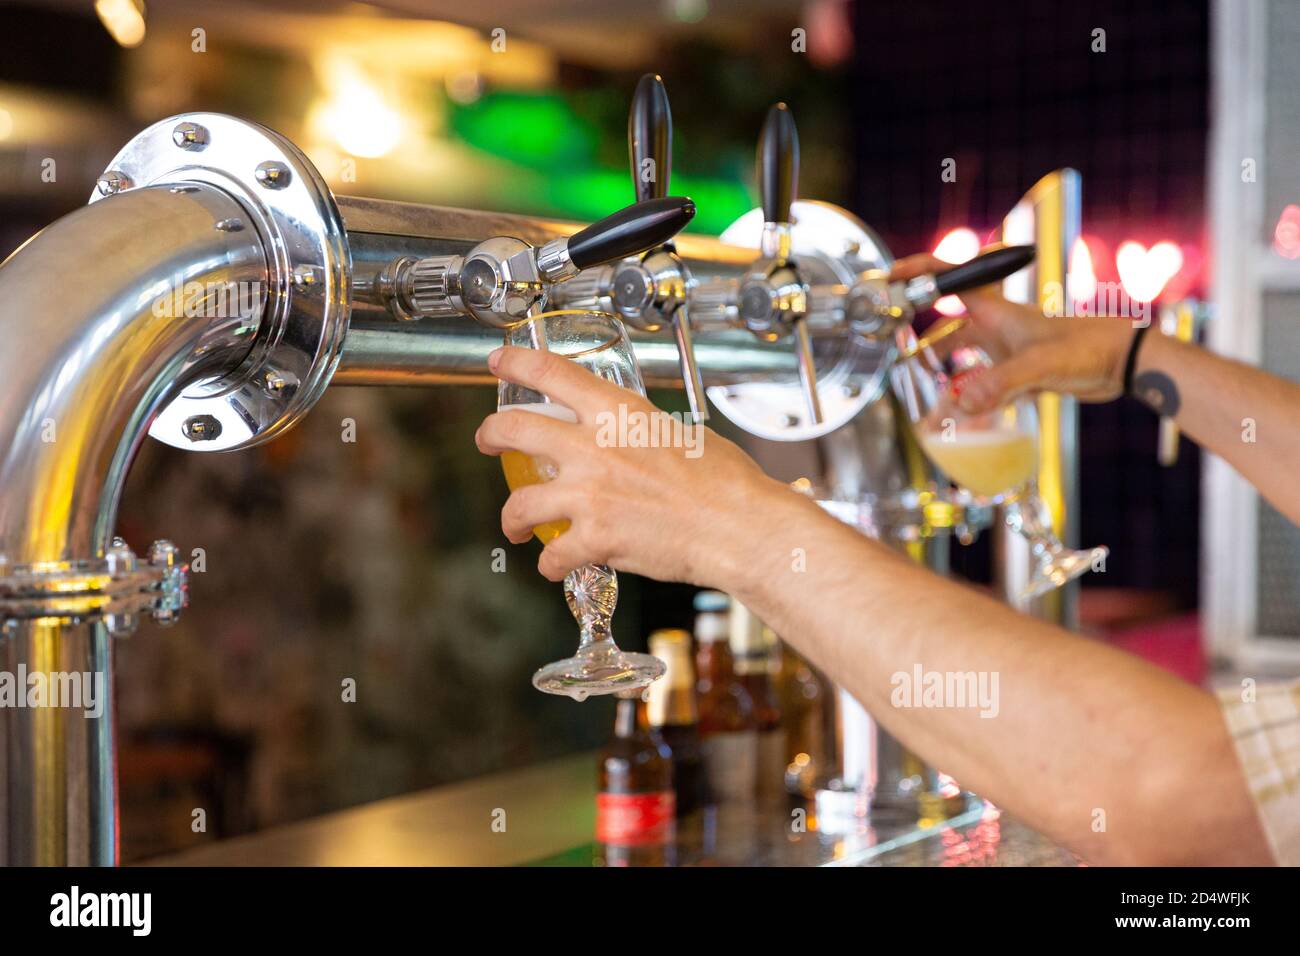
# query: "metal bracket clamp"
305, 318
116, 588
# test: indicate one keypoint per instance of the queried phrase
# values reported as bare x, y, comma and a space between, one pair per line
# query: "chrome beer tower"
214, 288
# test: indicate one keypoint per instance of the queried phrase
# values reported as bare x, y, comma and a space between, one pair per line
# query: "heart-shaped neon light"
1144, 272
1286, 235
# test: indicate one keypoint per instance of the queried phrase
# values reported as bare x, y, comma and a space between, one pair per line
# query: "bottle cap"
672, 697
711, 627
669, 642
706, 601
747, 634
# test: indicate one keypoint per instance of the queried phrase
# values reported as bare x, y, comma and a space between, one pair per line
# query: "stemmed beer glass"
598, 342
993, 455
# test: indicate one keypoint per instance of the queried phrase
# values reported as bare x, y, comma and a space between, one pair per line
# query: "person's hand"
688, 513
1083, 357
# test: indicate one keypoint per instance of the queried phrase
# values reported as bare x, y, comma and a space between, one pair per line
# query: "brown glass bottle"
753, 648
728, 731
635, 804
803, 706
673, 711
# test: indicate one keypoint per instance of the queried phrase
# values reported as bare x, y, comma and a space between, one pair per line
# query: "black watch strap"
1130, 363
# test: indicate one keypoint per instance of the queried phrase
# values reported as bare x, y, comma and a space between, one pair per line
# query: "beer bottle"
635, 805
728, 732
803, 698
753, 647
674, 713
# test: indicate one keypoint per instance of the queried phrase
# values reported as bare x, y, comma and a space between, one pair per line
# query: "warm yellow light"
1081, 279
123, 19
354, 113
6, 124
958, 246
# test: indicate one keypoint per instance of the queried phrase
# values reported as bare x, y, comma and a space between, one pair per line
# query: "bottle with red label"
635, 803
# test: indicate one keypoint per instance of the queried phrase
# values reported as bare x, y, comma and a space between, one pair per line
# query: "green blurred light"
592, 193
557, 149
530, 128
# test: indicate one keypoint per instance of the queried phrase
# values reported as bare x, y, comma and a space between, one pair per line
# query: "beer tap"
649, 291
504, 280
772, 299
875, 308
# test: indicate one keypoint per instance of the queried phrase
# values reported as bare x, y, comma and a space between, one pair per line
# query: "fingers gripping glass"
993, 455
597, 341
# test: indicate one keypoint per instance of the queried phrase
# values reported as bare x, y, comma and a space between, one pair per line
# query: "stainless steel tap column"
89, 357
1049, 216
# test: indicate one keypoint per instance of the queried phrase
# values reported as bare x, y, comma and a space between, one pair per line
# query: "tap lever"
986, 268
778, 164
773, 299
650, 292
628, 232
650, 138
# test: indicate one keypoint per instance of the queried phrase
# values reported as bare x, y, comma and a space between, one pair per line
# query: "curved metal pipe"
105, 316
92, 350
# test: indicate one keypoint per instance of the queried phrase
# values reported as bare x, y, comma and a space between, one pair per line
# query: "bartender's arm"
1247, 417
1108, 755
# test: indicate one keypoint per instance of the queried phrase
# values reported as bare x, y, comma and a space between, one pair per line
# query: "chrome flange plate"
831, 247
116, 588
305, 319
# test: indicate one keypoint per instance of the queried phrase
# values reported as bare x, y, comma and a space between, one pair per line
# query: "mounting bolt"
304, 277
201, 428
120, 558
790, 421
231, 225
113, 182
273, 175
276, 382
174, 587
190, 136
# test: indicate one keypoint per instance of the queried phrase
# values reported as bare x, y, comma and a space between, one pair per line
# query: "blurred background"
371, 560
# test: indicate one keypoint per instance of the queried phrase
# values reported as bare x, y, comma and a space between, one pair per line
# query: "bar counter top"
545, 814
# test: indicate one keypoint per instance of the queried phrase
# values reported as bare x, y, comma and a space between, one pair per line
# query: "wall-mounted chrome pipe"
94, 346
105, 317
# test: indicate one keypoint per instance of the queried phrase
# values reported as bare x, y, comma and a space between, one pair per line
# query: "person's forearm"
1249, 418
1110, 756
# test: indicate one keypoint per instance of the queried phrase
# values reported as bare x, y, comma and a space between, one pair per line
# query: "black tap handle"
992, 266
630, 231
778, 163
650, 138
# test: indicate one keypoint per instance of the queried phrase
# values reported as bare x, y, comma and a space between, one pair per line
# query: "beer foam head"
550, 409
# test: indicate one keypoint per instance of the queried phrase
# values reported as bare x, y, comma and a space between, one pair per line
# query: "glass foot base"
1060, 568
598, 668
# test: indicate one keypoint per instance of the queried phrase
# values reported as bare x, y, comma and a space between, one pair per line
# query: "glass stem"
592, 593
1027, 515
